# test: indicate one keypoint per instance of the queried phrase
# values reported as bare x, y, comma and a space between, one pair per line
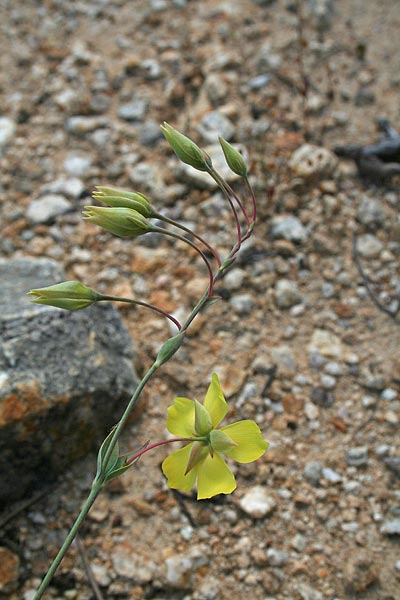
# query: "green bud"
70, 295
120, 221
233, 158
186, 150
169, 348
198, 453
123, 199
220, 442
202, 420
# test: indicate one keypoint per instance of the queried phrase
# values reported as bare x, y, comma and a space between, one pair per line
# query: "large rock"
64, 378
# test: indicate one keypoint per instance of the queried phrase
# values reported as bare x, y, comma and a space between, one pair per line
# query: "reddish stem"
149, 447
145, 304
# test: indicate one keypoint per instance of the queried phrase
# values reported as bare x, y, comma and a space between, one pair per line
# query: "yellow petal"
180, 420
215, 402
250, 443
214, 477
174, 467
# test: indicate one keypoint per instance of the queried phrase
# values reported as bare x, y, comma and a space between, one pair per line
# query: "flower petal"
214, 477
180, 420
174, 467
215, 402
250, 443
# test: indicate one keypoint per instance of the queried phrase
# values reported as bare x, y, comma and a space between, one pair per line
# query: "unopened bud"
123, 199
70, 295
120, 221
202, 419
220, 442
233, 158
186, 150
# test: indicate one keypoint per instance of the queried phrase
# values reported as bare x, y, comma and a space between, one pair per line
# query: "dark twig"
180, 499
88, 569
366, 282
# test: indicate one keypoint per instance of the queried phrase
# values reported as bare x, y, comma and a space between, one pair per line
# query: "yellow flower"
201, 460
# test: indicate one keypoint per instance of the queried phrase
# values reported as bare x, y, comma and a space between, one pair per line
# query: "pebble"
179, 571
369, 246
257, 502
312, 472
77, 165
234, 279
371, 212
310, 161
47, 208
288, 228
277, 558
298, 542
285, 359
133, 111
331, 475
215, 124
328, 344
215, 87
333, 368
81, 125
7, 131
287, 293
311, 411
71, 187
357, 456
242, 304
308, 593
150, 133
9, 570
391, 527
389, 394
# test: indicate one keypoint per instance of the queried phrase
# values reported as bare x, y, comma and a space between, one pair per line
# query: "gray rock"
371, 212
71, 187
389, 394
357, 456
258, 502
277, 558
215, 87
285, 359
77, 165
322, 11
214, 124
313, 161
391, 527
179, 571
331, 475
328, 382
7, 131
81, 125
242, 304
393, 464
287, 294
308, 593
65, 378
150, 133
133, 111
47, 208
369, 246
288, 228
151, 69
312, 472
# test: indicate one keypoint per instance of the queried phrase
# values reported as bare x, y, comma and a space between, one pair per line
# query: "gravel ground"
298, 343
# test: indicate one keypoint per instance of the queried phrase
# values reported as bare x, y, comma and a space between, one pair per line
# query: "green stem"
95, 491
195, 235
140, 303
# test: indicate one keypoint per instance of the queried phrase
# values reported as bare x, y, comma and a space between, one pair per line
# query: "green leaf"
104, 469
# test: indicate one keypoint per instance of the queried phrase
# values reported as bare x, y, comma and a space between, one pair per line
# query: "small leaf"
101, 467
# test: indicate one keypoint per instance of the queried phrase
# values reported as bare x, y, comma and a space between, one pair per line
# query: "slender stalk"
140, 303
203, 256
195, 235
224, 184
155, 445
94, 492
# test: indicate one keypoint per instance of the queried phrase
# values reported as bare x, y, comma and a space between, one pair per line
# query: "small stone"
150, 133
215, 88
277, 558
82, 125
231, 378
214, 124
287, 294
311, 411
179, 572
371, 212
309, 593
77, 165
393, 464
327, 343
47, 208
71, 187
7, 131
391, 527
242, 304
257, 502
285, 359
312, 472
369, 246
328, 382
9, 571
357, 456
289, 228
298, 542
234, 279
389, 394
310, 161
331, 475
127, 563
133, 111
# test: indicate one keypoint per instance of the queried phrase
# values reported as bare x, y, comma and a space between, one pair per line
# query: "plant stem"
203, 256
94, 492
155, 445
140, 303
195, 235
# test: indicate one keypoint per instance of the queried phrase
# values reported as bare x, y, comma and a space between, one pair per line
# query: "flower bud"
121, 221
70, 295
233, 158
198, 453
186, 150
202, 419
220, 442
123, 199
